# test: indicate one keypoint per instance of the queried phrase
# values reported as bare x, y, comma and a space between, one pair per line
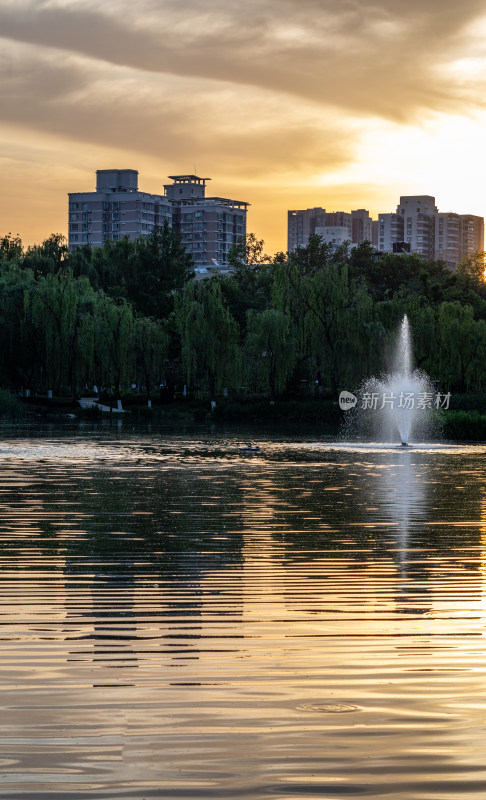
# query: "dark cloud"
380, 58
67, 96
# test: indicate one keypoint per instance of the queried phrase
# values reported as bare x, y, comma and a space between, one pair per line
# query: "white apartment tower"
419, 214
390, 231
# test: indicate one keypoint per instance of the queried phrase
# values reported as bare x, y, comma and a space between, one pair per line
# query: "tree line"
133, 312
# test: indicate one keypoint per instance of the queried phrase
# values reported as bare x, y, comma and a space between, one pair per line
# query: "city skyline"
288, 105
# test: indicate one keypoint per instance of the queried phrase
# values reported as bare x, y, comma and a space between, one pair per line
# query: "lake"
180, 619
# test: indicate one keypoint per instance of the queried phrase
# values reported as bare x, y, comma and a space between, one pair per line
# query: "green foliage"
464, 425
151, 344
129, 312
10, 248
333, 314
270, 351
209, 336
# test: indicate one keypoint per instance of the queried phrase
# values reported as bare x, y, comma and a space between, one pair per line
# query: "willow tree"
20, 353
461, 347
270, 350
61, 308
334, 315
113, 332
151, 348
209, 337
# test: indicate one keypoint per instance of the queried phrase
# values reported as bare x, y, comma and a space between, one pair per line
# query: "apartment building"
419, 214
336, 235
417, 226
209, 226
361, 226
390, 231
448, 238
471, 235
116, 209
304, 223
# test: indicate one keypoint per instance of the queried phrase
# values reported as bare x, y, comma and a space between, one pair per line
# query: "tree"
20, 354
473, 267
461, 348
270, 350
332, 313
151, 348
209, 337
47, 258
161, 266
113, 332
248, 252
10, 248
61, 307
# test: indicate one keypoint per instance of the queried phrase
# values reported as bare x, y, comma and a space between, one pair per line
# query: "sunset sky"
283, 103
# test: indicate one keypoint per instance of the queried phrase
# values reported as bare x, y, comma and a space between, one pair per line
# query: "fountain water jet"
399, 402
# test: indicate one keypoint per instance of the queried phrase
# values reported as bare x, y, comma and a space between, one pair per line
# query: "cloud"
263, 96
380, 58
241, 129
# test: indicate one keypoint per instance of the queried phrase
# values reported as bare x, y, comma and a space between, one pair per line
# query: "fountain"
399, 404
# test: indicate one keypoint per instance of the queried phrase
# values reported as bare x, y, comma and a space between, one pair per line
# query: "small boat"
249, 448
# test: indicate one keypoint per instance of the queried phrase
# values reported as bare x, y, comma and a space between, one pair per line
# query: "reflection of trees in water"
152, 541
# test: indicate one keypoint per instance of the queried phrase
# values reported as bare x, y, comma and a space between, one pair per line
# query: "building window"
73, 216
73, 206
74, 237
85, 206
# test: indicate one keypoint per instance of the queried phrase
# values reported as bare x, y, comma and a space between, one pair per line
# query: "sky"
284, 104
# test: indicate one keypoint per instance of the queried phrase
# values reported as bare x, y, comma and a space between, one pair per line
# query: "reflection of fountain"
403, 397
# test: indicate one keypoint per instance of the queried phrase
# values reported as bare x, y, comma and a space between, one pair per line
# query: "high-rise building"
471, 235
448, 238
116, 209
362, 226
302, 225
416, 227
209, 226
419, 214
390, 231
334, 234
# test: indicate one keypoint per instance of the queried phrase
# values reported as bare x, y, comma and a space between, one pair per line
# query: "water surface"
183, 620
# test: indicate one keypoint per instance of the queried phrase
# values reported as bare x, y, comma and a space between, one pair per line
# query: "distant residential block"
302, 225
334, 234
417, 226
